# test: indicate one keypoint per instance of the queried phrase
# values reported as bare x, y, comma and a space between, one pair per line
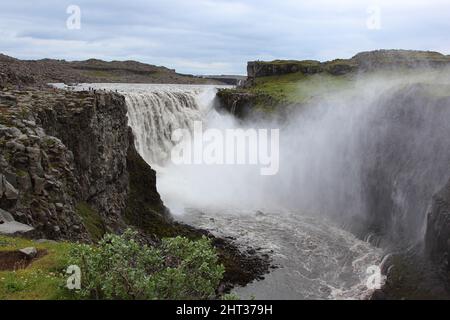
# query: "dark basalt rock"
438, 230
65, 164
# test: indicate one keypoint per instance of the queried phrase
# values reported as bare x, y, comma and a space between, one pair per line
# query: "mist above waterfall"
369, 155
373, 154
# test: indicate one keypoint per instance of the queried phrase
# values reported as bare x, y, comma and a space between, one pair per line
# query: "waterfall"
154, 115
156, 110
371, 155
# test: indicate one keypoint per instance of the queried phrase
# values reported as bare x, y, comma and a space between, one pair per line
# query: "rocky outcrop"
237, 103
18, 73
438, 230
389, 59
256, 69
9, 226
65, 164
364, 61
247, 105
39, 187
94, 127
279, 67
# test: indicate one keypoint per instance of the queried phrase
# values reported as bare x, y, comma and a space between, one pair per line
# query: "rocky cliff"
65, 163
364, 61
438, 230
256, 69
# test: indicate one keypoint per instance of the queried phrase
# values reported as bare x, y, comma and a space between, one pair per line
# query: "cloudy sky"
219, 36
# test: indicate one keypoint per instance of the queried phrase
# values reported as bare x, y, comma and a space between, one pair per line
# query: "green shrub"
121, 268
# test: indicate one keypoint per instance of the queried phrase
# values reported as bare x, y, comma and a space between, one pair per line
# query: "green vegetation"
278, 83
299, 88
119, 267
91, 220
21, 173
43, 279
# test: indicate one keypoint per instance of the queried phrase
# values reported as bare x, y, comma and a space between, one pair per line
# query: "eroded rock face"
364, 61
405, 152
94, 127
64, 162
438, 229
36, 172
279, 67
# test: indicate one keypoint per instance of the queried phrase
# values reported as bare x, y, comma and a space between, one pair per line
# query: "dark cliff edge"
70, 170
363, 61
438, 231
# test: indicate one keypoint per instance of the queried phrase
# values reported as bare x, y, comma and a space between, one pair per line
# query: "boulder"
7, 190
29, 252
9, 226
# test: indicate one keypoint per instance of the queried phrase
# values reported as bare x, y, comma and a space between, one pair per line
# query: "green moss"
145, 209
21, 173
49, 142
43, 279
91, 220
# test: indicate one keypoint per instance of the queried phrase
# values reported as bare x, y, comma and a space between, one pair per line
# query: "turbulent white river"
315, 258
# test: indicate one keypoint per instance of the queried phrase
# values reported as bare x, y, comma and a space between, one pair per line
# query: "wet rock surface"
438, 231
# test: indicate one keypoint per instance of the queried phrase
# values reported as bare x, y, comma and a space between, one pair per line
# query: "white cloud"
219, 36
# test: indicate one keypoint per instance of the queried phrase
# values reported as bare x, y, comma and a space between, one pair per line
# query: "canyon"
363, 179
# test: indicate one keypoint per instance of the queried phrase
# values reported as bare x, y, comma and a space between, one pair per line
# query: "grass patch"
299, 88
43, 279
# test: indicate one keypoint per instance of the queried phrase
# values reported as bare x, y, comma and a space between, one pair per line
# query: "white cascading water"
317, 259
155, 112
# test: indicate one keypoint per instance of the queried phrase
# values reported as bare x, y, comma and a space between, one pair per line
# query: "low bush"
119, 267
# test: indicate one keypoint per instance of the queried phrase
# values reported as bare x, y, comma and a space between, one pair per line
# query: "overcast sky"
220, 36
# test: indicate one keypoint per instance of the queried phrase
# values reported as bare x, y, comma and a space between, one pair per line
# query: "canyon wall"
438, 230
65, 163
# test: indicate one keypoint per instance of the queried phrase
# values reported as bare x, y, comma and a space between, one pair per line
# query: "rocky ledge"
363, 61
64, 161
